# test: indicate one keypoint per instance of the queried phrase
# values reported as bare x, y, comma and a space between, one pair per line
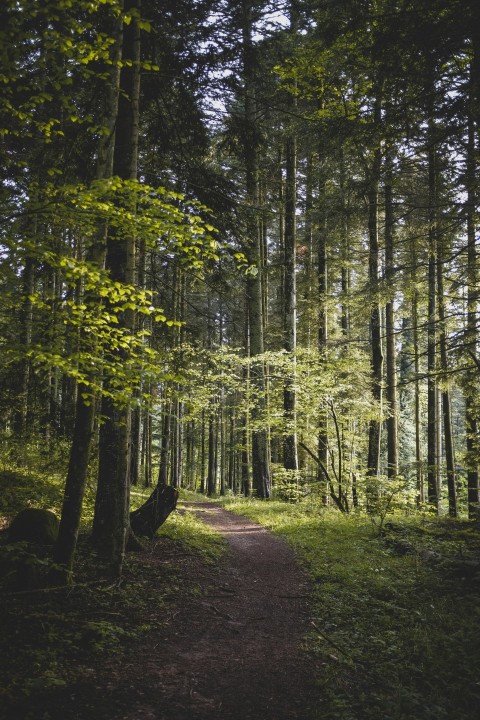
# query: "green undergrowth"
194, 536
51, 638
395, 631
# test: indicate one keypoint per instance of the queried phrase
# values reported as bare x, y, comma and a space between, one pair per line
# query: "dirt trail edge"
241, 652
232, 652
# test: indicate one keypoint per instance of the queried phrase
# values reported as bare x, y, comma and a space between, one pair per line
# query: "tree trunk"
416, 360
260, 459
471, 393
290, 450
21, 411
64, 550
111, 518
446, 402
322, 438
152, 514
373, 461
432, 464
211, 477
391, 373
165, 442
345, 250
203, 457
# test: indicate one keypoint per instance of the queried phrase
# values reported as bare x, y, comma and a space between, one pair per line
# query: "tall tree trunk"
290, 447
212, 446
260, 459
391, 374
112, 504
322, 438
471, 393
310, 295
290, 450
446, 401
203, 457
84, 427
165, 441
374, 436
345, 250
432, 464
416, 362
21, 410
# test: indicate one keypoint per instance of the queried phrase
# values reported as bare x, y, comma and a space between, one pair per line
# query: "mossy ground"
50, 636
395, 636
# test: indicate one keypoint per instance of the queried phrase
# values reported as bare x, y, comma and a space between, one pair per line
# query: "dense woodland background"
239, 252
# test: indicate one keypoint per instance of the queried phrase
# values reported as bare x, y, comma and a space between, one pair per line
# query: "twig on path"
217, 611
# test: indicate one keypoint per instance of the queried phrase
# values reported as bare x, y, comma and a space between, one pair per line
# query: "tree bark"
374, 436
152, 514
111, 518
446, 401
64, 550
432, 464
471, 393
259, 435
290, 450
391, 373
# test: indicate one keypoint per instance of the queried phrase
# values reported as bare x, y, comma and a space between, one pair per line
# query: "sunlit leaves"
92, 342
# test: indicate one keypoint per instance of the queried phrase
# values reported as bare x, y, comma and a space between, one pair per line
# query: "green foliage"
186, 529
37, 90
288, 485
19, 489
90, 334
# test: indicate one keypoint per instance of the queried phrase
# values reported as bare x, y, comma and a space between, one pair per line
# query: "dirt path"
232, 653
241, 653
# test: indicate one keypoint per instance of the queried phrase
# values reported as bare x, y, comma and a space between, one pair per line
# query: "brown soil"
231, 652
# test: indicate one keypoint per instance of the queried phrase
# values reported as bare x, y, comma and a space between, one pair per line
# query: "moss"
34, 525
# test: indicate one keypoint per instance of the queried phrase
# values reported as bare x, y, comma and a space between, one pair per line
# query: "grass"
393, 637
52, 636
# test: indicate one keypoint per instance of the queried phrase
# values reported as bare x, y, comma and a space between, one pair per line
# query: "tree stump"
152, 514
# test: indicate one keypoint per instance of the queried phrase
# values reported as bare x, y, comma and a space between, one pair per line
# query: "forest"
239, 262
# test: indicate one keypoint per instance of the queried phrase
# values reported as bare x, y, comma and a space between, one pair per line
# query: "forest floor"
228, 648
274, 611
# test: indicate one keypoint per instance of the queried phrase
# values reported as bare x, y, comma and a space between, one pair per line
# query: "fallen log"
152, 514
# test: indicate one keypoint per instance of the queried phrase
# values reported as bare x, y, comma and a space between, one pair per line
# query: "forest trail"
231, 653
235, 653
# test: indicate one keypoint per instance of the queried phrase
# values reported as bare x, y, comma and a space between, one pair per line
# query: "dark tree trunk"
111, 518
212, 442
446, 402
152, 514
260, 459
290, 451
373, 460
432, 459
290, 447
322, 438
391, 385
64, 550
203, 457
416, 360
21, 410
471, 393
165, 442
